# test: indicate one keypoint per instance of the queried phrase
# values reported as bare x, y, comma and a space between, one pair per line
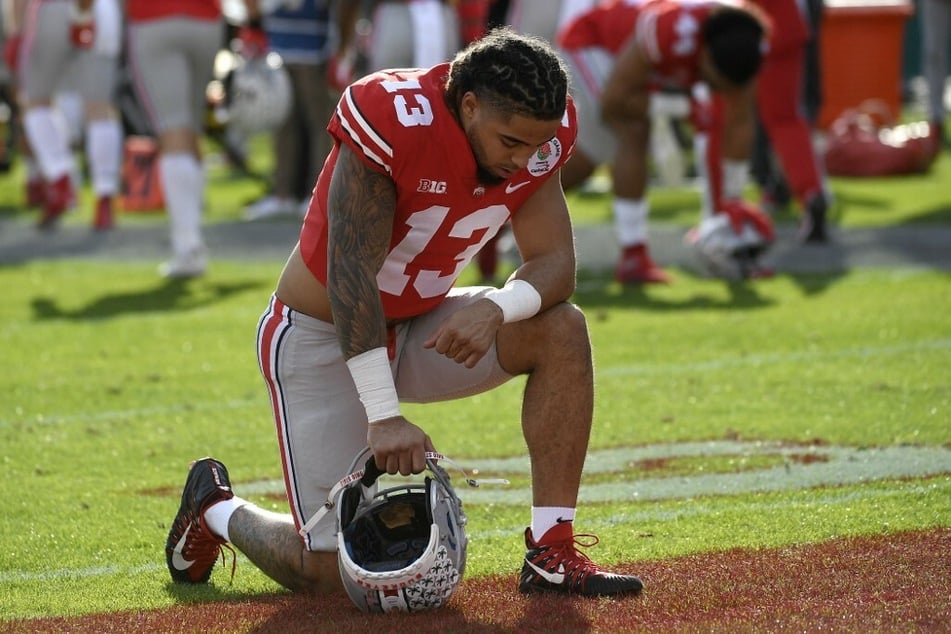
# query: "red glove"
340, 71
11, 51
740, 212
252, 41
82, 29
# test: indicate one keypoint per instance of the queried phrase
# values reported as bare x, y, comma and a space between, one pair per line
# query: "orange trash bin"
141, 189
861, 54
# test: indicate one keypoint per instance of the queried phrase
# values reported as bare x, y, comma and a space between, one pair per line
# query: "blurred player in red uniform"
779, 88
172, 48
427, 166
621, 53
52, 42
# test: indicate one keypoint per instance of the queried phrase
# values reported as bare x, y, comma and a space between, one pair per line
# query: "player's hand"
466, 335
11, 51
252, 41
399, 446
741, 212
82, 29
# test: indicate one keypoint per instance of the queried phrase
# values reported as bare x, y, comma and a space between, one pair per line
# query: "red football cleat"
637, 267
59, 197
35, 192
554, 564
104, 218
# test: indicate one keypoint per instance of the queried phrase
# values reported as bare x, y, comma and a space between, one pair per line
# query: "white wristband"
374, 380
518, 300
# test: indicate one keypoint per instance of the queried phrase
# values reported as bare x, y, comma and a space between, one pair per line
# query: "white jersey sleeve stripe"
646, 34
372, 144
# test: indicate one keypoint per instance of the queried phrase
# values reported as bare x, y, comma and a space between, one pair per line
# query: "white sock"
545, 517
700, 145
183, 185
48, 142
630, 221
69, 103
217, 516
104, 149
33, 172
735, 177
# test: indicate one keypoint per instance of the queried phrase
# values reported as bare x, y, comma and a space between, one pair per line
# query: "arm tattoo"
360, 210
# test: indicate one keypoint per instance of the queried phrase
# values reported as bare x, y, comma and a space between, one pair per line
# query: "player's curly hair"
735, 38
518, 74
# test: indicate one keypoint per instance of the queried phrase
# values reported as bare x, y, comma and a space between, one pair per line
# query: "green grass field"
822, 405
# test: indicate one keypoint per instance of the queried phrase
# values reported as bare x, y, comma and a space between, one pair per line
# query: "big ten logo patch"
141, 188
431, 187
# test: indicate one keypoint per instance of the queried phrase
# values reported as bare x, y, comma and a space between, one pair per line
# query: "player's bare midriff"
299, 290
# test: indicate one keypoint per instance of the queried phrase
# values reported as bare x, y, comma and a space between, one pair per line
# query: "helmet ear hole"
347, 506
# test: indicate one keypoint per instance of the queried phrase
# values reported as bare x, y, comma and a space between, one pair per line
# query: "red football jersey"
140, 10
667, 31
399, 123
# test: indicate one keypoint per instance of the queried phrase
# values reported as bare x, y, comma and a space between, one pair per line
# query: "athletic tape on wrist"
518, 300
374, 380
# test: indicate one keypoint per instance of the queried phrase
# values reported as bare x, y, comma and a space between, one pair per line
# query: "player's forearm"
552, 275
629, 168
360, 217
346, 13
356, 305
739, 125
738, 140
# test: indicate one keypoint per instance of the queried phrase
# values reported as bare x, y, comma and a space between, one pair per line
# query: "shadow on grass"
603, 292
170, 295
600, 291
938, 214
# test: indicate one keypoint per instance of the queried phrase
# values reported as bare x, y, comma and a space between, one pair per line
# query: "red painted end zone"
899, 582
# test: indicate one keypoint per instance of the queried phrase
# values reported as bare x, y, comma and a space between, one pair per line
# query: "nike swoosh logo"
178, 561
556, 578
514, 188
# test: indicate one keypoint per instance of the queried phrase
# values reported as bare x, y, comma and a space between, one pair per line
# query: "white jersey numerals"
419, 112
687, 30
424, 226
398, 272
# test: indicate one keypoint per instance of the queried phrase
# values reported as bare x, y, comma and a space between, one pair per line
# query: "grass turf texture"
115, 379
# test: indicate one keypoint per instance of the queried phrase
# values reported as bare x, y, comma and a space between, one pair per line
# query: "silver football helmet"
259, 94
402, 548
724, 253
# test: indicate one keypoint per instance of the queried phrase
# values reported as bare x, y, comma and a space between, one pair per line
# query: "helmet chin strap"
472, 482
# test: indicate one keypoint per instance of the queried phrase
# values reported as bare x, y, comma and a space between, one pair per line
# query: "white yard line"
647, 516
